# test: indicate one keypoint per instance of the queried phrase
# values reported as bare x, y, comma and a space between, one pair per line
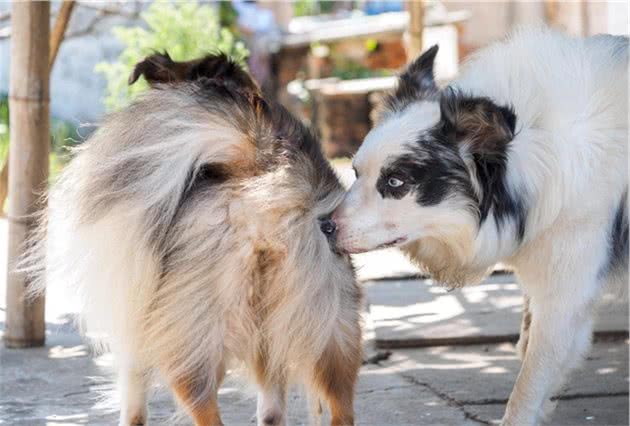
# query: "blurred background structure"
328, 62
334, 52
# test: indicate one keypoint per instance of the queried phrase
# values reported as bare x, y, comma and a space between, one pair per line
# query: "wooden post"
585, 19
416, 26
551, 12
58, 33
28, 170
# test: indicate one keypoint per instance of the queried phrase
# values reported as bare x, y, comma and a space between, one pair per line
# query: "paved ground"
416, 312
62, 384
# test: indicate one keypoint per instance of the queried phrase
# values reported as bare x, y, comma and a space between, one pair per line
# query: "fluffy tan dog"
193, 224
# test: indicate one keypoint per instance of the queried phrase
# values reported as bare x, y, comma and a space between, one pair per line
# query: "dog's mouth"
392, 243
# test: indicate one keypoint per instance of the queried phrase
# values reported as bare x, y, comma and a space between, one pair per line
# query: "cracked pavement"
61, 384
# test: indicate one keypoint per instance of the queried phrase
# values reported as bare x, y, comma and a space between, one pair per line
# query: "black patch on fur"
487, 130
198, 179
497, 197
207, 174
201, 178
618, 236
430, 169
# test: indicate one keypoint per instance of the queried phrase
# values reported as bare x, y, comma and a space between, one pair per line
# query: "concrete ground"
464, 379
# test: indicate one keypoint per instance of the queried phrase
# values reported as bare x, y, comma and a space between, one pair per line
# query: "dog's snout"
328, 226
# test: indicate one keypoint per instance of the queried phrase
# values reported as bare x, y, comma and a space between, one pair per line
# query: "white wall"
492, 20
618, 17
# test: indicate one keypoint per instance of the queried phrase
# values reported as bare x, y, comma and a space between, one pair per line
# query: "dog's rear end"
190, 226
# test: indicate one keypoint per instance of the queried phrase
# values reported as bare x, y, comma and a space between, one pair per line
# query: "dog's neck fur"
466, 256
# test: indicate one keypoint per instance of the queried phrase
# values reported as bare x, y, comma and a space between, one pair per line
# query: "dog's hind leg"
132, 383
271, 406
272, 393
197, 392
336, 374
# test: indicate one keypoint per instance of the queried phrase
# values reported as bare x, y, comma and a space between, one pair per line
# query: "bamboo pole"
57, 36
416, 26
28, 170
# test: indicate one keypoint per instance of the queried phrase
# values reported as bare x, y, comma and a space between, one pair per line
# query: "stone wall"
76, 91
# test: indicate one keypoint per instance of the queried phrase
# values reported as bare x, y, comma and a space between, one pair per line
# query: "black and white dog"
522, 160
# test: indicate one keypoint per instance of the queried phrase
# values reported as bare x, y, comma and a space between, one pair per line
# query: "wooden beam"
416, 27
551, 12
59, 30
28, 170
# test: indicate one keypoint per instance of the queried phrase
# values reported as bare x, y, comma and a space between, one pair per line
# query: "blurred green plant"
312, 7
228, 15
4, 128
186, 30
346, 69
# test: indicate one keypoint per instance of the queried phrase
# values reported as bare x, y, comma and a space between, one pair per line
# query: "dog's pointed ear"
483, 125
157, 68
418, 78
415, 83
160, 68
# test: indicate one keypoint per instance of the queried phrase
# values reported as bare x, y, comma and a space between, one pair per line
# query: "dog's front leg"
561, 306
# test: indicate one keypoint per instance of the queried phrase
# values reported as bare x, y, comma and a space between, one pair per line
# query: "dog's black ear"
415, 83
486, 127
157, 68
160, 68
223, 68
418, 80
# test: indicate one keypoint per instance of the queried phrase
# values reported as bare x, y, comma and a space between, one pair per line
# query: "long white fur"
569, 159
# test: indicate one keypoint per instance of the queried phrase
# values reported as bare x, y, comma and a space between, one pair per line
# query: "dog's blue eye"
394, 182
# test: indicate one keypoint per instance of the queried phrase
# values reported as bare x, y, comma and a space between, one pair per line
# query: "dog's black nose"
328, 226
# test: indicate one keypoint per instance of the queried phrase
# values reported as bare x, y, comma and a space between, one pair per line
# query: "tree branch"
61, 23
